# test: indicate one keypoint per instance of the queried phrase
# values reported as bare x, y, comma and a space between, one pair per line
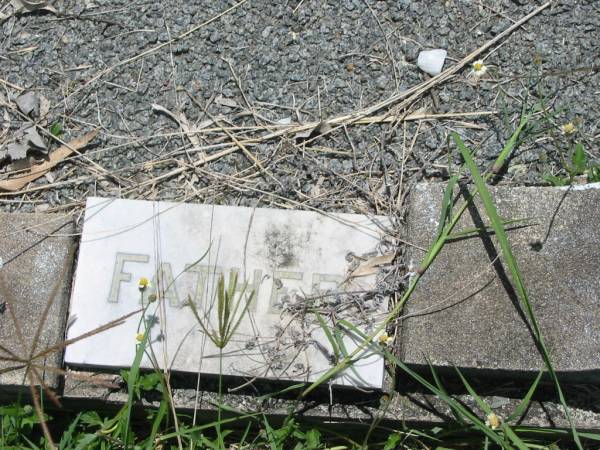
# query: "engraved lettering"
250, 287
201, 273
319, 278
279, 290
119, 276
165, 284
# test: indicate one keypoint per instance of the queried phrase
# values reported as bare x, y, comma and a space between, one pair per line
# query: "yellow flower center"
143, 283
139, 337
569, 128
493, 421
384, 339
478, 66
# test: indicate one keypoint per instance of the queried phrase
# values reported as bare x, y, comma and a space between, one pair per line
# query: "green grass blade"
242, 440
66, 441
132, 379
188, 431
353, 328
221, 300
344, 353
510, 145
212, 335
435, 376
272, 437
555, 433
513, 437
160, 415
451, 402
483, 405
486, 408
334, 347
511, 262
441, 387
522, 407
294, 387
236, 318
86, 441
446, 210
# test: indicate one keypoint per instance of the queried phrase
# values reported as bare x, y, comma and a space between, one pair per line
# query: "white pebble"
432, 61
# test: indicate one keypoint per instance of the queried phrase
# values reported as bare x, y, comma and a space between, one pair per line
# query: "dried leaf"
25, 139
370, 266
31, 5
311, 133
16, 151
220, 100
27, 102
19, 181
44, 107
303, 135
35, 140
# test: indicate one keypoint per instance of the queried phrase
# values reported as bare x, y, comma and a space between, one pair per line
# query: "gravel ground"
299, 61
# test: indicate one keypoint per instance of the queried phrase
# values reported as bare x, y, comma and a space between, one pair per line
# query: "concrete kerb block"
35, 275
464, 311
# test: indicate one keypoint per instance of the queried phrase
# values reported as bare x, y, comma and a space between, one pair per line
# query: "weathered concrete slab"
35, 275
462, 312
294, 260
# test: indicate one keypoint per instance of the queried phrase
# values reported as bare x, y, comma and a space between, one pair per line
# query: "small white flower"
384, 339
479, 68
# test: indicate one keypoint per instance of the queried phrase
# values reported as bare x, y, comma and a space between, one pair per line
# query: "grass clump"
578, 166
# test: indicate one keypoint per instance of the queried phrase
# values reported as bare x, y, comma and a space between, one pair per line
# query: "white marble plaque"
294, 262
